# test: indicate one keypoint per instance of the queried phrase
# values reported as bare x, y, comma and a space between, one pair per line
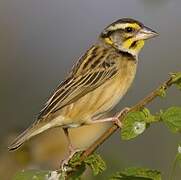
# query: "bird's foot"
122, 113
117, 122
65, 163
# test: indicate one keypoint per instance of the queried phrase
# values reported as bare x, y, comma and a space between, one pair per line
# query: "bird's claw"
65, 163
118, 122
122, 113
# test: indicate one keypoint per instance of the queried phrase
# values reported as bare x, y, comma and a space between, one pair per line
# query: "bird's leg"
72, 150
114, 119
111, 119
70, 145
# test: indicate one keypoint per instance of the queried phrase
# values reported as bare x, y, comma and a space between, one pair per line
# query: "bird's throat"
132, 46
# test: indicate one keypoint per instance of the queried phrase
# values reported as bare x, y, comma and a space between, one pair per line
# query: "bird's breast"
112, 91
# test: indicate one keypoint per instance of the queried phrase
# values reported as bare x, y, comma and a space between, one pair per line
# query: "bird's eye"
129, 29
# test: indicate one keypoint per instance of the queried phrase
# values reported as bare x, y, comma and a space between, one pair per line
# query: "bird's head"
127, 35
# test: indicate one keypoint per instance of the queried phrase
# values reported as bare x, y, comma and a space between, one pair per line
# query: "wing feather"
75, 87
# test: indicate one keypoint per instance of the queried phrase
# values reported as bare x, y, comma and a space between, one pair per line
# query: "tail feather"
34, 130
26, 135
19, 141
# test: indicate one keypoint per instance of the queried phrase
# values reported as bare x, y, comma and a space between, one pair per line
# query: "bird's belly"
102, 99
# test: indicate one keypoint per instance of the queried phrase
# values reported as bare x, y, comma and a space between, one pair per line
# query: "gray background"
41, 39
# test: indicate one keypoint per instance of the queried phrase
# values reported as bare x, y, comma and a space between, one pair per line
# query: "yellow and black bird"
96, 83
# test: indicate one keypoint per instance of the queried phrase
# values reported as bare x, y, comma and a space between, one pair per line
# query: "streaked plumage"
96, 83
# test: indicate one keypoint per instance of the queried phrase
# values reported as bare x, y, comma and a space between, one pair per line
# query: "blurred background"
39, 42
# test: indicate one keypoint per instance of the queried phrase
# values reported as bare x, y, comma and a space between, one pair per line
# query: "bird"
95, 84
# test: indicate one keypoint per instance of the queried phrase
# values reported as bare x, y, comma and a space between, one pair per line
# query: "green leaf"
137, 174
96, 163
75, 160
76, 175
172, 118
149, 118
176, 79
31, 175
135, 123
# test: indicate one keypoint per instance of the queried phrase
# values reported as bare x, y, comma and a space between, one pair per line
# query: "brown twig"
164, 86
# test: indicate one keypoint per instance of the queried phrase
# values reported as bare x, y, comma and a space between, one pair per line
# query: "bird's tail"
26, 135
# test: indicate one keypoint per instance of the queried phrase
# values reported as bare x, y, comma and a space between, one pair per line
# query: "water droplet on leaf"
139, 127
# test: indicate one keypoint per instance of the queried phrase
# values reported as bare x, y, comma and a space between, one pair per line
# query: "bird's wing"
76, 86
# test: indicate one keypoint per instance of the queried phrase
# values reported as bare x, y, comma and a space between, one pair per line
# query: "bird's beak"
146, 33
